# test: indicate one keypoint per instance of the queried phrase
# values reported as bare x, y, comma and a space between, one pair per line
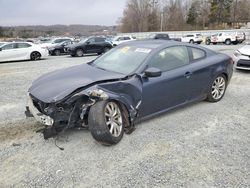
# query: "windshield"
123, 60
84, 40
2, 43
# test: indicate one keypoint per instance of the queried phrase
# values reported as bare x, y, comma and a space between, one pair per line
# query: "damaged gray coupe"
130, 83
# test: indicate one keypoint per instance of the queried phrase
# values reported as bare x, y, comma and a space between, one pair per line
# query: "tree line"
173, 15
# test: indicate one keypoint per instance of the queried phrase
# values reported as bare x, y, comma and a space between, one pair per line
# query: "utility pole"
235, 12
161, 20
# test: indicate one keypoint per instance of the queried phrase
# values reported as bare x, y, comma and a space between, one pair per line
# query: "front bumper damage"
57, 117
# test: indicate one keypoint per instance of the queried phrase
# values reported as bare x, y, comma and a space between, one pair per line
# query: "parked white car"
16, 51
192, 38
241, 58
224, 37
121, 39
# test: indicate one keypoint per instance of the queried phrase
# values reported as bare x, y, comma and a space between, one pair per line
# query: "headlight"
237, 53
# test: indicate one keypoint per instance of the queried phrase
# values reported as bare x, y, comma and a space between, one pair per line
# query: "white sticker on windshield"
143, 50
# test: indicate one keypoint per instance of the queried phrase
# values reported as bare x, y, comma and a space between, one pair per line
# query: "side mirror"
152, 72
87, 42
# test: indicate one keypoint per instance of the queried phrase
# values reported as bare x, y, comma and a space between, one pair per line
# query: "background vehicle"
240, 36
224, 37
242, 58
61, 48
162, 36
192, 38
121, 39
54, 42
16, 51
132, 82
90, 45
2, 43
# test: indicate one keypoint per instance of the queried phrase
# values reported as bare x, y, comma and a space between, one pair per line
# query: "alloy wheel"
218, 88
113, 118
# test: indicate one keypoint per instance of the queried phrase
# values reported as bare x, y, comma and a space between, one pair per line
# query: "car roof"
160, 44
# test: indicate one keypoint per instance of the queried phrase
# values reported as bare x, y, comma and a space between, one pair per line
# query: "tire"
35, 56
217, 89
57, 52
228, 42
104, 128
208, 42
191, 41
79, 53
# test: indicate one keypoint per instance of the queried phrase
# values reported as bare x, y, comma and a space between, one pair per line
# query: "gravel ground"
200, 145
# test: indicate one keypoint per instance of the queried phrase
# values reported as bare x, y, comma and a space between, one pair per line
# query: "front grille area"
40, 106
243, 63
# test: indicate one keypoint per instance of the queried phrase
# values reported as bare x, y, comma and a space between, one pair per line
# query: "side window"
8, 47
197, 53
91, 40
99, 39
220, 34
23, 45
126, 38
170, 58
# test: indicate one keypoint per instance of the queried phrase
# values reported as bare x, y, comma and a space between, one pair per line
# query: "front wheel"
106, 122
217, 89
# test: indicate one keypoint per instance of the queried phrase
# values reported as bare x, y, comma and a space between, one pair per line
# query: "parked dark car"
61, 48
90, 45
130, 83
160, 36
163, 36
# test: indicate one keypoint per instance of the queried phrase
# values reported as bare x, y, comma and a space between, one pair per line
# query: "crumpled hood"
245, 50
54, 86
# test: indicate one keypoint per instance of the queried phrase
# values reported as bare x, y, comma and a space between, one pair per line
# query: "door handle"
188, 74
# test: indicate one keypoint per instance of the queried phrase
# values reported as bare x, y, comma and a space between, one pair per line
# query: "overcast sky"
49, 12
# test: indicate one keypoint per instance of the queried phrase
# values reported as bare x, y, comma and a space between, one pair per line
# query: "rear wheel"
228, 42
217, 89
79, 53
106, 122
57, 52
35, 56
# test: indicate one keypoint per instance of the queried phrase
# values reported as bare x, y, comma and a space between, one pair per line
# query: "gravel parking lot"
200, 145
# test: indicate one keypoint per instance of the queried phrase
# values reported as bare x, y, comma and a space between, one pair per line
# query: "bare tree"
140, 15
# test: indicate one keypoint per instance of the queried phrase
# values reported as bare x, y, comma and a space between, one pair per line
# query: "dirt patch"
18, 130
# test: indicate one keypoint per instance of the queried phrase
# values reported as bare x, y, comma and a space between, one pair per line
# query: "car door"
199, 73
99, 44
90, 45
171, 88
22, 51
8, 52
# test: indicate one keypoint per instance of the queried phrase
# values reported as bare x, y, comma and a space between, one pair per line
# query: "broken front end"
71, 112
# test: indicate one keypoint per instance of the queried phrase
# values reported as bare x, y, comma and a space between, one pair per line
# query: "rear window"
197, 53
